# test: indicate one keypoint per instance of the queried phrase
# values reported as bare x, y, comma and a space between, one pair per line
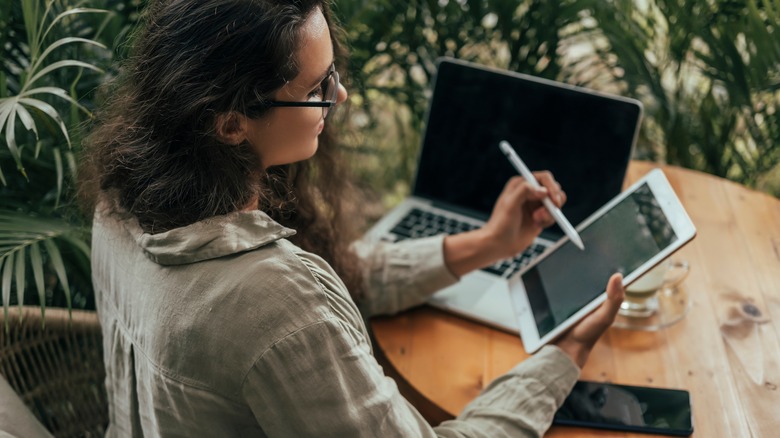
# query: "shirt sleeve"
522, 402
401, 275
323, 381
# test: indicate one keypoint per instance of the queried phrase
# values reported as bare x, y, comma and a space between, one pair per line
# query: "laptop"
585, 138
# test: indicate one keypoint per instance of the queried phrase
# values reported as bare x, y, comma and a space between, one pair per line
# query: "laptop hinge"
461, 210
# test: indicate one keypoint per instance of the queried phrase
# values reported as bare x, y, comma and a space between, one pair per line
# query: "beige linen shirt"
225, 328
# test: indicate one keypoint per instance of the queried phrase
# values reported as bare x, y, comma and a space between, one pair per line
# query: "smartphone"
630, 234
627, 408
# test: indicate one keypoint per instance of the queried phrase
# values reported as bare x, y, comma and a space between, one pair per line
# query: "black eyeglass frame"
325, 104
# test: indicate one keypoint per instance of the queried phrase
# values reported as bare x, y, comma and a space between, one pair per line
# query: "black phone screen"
629, 408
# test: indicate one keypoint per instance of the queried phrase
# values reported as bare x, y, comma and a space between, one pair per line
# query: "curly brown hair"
153, 148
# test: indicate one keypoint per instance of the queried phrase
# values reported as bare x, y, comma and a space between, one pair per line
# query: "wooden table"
727, 359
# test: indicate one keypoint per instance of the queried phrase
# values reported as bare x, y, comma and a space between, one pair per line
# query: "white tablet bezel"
679, 220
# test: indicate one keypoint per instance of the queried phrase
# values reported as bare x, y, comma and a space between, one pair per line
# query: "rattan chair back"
57, 368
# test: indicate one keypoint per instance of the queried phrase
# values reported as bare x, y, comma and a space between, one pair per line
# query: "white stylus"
556, 212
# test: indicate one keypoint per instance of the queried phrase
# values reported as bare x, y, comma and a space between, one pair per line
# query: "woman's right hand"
580, 339
517, 218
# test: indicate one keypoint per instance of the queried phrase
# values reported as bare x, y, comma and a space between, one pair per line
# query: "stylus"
556, 212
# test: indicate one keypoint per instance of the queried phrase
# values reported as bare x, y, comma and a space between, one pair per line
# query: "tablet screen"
623, 239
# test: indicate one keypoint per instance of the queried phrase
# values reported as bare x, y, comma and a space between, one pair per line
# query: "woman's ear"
231, 127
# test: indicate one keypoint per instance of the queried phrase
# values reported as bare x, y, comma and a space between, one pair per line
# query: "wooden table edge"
432, 413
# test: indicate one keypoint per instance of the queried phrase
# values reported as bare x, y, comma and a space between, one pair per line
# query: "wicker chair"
57, 368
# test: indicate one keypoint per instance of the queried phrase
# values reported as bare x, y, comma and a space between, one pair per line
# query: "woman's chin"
301, 154
313, 149
309, 152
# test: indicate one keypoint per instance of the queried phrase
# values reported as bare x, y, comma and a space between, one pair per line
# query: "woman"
221, 264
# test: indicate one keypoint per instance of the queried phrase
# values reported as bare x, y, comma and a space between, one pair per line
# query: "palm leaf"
41, 238
73, 11
7, 275
20, 277
70, 158
36, 261
61, 64
13, 107
26, 119
6, 105
30, 59
55, 91
59, 268
49, 111
62, 42
10, 140
58, 166
32, 16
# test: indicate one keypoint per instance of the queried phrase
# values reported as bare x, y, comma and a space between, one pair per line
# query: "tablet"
630, 234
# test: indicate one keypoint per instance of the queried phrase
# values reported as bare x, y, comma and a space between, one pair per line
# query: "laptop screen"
585, 139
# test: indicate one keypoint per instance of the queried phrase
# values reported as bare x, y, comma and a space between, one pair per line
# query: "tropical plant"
39, 107
707, 72
709, 75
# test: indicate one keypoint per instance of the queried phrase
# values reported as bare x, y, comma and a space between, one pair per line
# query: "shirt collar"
218, 236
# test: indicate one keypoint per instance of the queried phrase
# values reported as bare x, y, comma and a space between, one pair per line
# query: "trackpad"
496, 307
466, 293
482, 297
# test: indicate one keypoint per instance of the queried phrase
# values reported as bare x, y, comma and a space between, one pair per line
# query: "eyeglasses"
324, 96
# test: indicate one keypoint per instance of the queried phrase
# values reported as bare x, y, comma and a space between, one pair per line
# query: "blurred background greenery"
708, 73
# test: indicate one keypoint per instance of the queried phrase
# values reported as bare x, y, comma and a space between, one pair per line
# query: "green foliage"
27, 240
52, 61
708, 73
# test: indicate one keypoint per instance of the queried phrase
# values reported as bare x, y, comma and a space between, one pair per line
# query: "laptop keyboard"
419, 223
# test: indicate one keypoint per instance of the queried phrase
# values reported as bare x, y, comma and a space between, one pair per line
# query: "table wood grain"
726, 351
